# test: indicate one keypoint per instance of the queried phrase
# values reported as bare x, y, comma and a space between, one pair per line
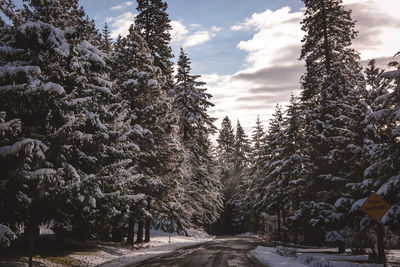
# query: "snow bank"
268, 256
309, 257
334, 260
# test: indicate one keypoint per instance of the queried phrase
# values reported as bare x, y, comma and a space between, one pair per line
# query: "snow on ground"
284, 256
158, 245
268, 256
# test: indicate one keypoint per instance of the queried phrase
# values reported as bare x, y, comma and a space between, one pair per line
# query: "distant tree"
106, 40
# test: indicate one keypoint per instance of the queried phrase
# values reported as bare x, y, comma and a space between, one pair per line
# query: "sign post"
376, 207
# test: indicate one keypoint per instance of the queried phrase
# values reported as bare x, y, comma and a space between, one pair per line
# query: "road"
224, 251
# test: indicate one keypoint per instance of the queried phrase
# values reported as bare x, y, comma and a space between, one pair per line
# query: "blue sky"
219, 55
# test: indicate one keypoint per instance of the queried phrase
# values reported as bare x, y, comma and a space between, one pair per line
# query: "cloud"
378, 24
122, 6
273, 70
120, 25
197, 38
193, 35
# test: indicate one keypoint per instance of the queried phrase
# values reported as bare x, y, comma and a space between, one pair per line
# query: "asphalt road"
224, 251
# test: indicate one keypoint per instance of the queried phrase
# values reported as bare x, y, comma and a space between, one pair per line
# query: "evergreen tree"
333, 112
155, 27
155, 163
195, 126
255, 170
329, 32
106, 41
225, 152
381, 150
239, 180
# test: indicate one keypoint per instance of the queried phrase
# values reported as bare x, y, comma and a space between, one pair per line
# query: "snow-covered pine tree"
329, 32
293, 175
29, 112
225, 154
382, 151
155, 178
239, 180
225, 157
201, 184
82, 128
255, 169
155, 27
333, 111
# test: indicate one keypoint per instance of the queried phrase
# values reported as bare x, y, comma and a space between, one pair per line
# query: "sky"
247, 51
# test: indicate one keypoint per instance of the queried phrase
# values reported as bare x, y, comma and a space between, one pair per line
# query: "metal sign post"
376, 207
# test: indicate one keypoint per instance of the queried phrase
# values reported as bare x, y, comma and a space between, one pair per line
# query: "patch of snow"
268, 256
54, 87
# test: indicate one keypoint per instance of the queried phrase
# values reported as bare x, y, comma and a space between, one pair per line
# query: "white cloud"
120, 24
179, 31
273, 69
185, 36
122, 6
378, 23
197, 38
216, 29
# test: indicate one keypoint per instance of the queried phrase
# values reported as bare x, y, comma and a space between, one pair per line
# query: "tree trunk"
31, 231
139, 236
341, 247
279, 221
148, 222
131, 232
147, 230
284, 222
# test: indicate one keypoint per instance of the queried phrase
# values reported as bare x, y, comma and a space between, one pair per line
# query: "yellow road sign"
375, 207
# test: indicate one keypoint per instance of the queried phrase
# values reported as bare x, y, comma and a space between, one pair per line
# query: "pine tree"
329, 32
30, 104
333, 112
382, 149
255, 170
240, 180
155, 27
195, 126
225, 152
155, 163
106, 41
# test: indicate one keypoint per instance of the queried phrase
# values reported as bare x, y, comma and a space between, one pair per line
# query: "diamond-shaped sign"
375, 207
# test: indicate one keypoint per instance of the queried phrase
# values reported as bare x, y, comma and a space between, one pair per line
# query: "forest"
99, 136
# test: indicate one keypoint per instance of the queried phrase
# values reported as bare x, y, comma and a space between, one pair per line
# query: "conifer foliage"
89, 137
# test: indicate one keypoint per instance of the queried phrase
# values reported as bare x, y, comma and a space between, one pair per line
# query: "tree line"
305, 177
98, 135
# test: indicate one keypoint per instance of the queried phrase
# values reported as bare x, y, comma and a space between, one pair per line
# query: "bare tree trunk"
139, 236
31, 231
279, 221
131, 232
284, 222
148, 223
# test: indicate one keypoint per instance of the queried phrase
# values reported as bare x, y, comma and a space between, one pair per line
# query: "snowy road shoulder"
158, 246
268, 256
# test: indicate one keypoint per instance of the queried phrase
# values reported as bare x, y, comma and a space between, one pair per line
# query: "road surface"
224, 251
